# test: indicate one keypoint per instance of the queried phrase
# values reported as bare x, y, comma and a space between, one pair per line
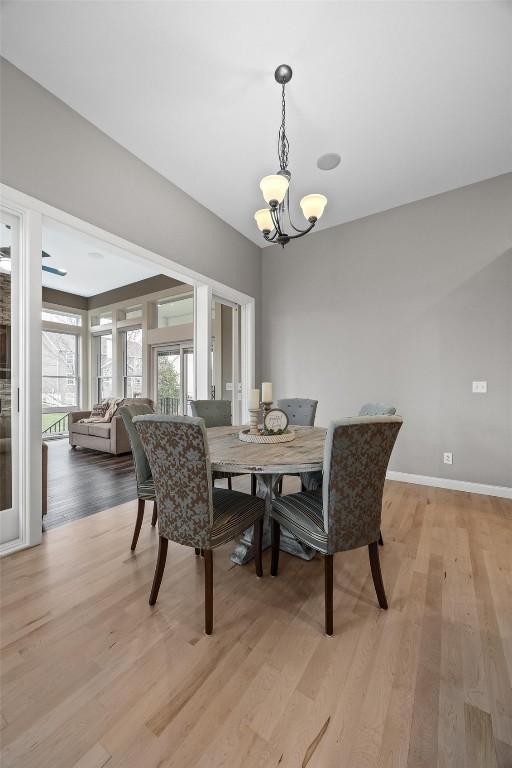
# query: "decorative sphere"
283, 73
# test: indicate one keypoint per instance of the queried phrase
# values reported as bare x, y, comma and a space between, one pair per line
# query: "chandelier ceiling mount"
275, 222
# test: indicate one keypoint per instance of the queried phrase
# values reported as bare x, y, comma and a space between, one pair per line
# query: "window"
60, 370
103, 318
104, 366
174, 369
133, 313
132, 362
175, 311
58, 316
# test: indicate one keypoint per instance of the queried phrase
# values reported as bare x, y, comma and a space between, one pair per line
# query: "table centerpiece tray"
261, 437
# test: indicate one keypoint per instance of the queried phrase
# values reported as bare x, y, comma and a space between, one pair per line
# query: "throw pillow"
99, 410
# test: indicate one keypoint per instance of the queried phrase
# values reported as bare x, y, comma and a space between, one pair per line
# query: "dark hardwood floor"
82, 482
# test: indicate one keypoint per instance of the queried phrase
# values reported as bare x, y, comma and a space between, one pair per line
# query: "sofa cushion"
82, 429
100, 430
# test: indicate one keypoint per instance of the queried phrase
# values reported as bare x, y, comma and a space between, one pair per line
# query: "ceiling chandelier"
275, 222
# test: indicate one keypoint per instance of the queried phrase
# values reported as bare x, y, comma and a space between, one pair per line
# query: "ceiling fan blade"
6, 251
54, 270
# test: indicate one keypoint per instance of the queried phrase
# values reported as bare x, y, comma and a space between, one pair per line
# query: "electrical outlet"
480, 387
448, 458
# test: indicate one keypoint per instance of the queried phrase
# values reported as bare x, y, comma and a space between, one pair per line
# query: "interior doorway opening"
103, 347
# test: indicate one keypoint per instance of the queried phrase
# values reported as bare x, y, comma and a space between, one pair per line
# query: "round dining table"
269, 462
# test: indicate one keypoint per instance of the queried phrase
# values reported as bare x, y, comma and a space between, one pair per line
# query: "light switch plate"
229, 386
448, 457
480, 387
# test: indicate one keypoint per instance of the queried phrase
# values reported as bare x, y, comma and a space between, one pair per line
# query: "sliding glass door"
173, 368
9, 431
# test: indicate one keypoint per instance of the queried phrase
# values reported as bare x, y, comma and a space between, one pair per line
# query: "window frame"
124, 356
75, 332
96, 339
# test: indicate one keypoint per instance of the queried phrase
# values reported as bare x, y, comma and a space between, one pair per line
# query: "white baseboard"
453, 485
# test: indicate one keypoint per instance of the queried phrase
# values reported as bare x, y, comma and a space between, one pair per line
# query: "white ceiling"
416, 97
107, 268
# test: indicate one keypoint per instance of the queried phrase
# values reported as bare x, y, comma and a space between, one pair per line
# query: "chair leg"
254, 485
155, 514
159, 570
138, 522
276, 540
303, 488
230, 484
258, 546
280, 486
373, 550
329, 583
381, 540
208, 591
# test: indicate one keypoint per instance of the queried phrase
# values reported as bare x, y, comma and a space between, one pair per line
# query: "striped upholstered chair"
216, 413
190, 510
145, 487
347, 514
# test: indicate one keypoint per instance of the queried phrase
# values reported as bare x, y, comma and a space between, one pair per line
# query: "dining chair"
216, 413
377, 409
347, 514
301, 412
190, 510
145, 487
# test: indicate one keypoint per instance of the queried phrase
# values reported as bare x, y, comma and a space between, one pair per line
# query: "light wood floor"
92, 677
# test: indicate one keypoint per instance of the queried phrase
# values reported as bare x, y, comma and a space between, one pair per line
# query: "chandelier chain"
283, 146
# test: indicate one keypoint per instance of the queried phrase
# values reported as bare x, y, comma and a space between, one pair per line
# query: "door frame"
180, 347
26, 390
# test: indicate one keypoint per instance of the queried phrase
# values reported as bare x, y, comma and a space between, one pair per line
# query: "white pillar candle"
254, 399
266, 392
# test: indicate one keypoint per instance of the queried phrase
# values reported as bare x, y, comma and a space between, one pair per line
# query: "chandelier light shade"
274, 188
264, 220
275, 222
313, 206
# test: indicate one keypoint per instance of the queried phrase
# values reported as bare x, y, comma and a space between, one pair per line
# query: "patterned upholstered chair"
301, 412
377, 409
216, 413
145, 487
190, 510
347, 514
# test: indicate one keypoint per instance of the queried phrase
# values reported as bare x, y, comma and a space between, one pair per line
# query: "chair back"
377, 409
216, 413
127, 412
300, 410
357, 452
177, 450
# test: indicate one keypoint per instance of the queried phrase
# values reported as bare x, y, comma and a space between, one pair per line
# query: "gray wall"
49, 151
123, 293
65, 299
408, 306
132, 291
